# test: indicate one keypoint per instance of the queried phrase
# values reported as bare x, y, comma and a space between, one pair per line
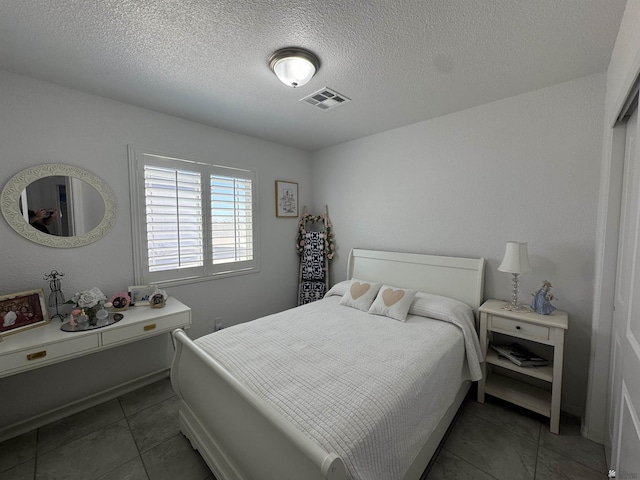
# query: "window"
191, 220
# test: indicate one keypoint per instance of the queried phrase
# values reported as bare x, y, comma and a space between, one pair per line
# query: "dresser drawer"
141, 329
520, 329
27, 359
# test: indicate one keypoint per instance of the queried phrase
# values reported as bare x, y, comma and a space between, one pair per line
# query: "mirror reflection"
74, 205
62, 206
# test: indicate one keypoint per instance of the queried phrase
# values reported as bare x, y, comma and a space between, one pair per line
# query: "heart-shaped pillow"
393, 302
391, 296
360, 294
358, 289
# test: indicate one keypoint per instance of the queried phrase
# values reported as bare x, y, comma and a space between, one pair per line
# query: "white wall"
524, 168
45, 123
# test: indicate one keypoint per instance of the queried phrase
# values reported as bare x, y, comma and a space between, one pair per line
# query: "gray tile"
506, 416
492, 449
572, 444
146, 396
17, 450
155, 424
89, 457
175, 459
552, 465
451, 467
24, 471
71, 428
132, 470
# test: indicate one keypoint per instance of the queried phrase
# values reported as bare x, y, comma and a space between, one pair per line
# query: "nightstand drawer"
521, 329
48, 353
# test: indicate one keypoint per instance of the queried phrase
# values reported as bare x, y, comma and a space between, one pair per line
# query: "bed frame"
241, 437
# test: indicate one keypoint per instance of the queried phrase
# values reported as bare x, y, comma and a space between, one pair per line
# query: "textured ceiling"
399, 61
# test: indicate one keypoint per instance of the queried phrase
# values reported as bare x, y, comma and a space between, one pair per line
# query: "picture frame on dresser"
141, 294
22, 311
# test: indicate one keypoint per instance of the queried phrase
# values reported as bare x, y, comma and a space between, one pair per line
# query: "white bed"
346, 401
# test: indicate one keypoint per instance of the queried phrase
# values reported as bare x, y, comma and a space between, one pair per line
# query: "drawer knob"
35, 356
518, 327
149, 327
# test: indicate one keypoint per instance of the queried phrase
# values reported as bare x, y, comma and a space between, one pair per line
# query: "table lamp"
515, 262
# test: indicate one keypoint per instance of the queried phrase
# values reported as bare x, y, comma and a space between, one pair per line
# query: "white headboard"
455, 277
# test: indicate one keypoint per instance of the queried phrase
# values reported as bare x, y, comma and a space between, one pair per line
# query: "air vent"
326, 99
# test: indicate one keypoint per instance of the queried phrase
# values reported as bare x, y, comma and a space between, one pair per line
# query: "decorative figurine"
56, 297
120, 301
158, 299
542, 299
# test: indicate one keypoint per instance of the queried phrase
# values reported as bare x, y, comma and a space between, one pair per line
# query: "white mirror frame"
10, 205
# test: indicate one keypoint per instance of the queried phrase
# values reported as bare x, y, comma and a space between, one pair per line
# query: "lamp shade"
516, 258
294, 66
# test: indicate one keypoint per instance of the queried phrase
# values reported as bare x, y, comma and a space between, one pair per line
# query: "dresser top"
51, 333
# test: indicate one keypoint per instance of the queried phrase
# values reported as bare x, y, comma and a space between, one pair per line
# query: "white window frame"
138, 158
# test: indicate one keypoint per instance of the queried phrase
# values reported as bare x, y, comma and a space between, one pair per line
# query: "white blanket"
369, 388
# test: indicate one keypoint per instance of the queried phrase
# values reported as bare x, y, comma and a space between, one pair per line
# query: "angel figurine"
542, 299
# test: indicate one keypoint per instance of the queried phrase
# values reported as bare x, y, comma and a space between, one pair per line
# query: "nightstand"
508, 382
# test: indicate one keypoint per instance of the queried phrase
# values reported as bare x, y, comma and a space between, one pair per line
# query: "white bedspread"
369, 388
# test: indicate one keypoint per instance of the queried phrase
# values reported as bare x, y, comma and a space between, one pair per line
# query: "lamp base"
516, 308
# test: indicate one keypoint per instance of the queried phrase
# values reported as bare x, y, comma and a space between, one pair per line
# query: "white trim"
607, 236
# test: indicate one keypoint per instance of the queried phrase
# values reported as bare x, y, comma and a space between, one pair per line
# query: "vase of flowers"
89, 301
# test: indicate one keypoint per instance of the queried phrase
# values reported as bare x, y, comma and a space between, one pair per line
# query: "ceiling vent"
326, 99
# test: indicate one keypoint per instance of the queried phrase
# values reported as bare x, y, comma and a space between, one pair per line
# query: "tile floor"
136, 437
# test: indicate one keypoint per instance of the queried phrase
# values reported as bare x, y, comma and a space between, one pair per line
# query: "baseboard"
81, 404
591, 434
572, 410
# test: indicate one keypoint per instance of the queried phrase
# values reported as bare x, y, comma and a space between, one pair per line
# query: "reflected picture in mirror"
62, 206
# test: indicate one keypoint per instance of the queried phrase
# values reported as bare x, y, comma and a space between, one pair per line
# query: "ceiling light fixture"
294, 66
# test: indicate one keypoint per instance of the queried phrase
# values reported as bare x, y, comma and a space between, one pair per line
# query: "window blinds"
174, 218
231, 219
195, 220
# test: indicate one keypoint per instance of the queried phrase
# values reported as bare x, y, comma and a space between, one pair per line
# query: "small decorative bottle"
102, 316
83, 318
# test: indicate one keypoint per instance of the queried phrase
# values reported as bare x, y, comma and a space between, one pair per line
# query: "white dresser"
48, 344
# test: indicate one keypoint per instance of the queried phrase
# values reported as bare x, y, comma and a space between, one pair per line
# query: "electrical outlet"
218, 323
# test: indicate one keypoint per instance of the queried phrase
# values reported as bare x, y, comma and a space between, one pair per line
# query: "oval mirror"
65, 206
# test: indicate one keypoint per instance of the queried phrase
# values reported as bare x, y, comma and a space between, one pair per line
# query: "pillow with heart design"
393, 302
360, 294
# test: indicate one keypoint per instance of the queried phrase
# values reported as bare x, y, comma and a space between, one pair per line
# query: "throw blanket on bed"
366, 387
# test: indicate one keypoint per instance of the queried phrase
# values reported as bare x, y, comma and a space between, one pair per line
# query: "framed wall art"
21, 311
286, 199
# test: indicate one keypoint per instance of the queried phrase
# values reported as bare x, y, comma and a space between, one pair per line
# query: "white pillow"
440, 307
393, 302
339, 289
360, 294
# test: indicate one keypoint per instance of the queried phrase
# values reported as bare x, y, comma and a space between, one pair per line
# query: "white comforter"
369, 388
